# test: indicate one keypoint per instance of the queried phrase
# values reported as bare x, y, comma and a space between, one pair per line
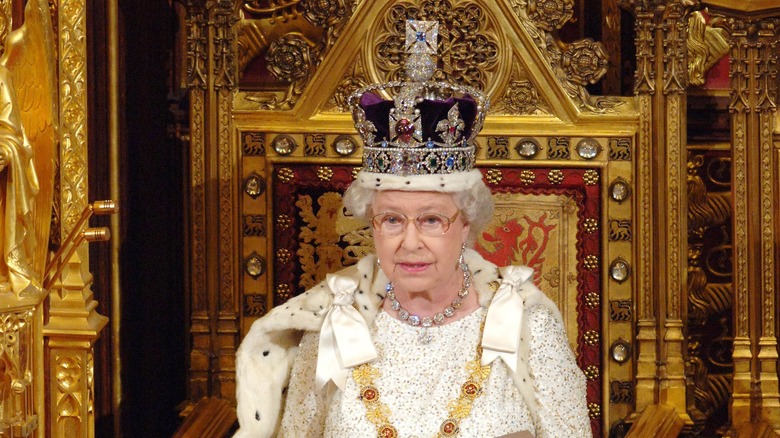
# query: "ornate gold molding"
662, 132
293, 51
754, 29
539, 22
18, 357
73, 111
212, 75
73, 325
521, 96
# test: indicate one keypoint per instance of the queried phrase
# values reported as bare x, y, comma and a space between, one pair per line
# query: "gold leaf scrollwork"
249, 43
346, 87
281, 10
550, 48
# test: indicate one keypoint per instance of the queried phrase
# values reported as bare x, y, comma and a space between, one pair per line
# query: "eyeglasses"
391, 224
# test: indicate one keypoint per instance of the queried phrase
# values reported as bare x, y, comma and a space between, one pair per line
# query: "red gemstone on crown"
404, 128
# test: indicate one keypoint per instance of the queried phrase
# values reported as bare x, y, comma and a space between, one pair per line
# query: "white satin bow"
504, 320
345, 340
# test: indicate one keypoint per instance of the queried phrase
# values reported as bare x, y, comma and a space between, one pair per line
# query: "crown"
429, 127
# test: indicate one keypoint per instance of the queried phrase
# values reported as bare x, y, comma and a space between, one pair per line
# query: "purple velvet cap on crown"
431, 113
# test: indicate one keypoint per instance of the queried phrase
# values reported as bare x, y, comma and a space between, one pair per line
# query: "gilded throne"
593, 191
559, 161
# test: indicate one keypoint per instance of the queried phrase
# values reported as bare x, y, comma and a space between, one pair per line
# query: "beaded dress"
418, 381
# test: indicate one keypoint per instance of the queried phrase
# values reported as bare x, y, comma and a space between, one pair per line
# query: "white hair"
474, 201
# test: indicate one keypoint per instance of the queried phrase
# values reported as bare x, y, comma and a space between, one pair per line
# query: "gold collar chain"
378, 413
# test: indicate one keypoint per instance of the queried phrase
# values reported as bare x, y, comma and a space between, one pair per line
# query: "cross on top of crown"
421, 49
421, 36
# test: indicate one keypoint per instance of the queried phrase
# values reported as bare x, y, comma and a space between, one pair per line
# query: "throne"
561, 164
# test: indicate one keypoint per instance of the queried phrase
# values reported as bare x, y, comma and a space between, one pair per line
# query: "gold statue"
28, 147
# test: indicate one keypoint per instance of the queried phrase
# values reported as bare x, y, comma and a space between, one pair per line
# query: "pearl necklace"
437, 318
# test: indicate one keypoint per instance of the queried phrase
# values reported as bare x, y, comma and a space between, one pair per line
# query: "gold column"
672, 211
647, 322
661, 33
212, 77
755, 51
112, 7
73, 324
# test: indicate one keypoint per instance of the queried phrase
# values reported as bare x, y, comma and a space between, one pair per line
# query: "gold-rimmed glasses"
391, 224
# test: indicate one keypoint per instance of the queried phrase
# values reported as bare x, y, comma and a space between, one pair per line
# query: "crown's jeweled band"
405, 161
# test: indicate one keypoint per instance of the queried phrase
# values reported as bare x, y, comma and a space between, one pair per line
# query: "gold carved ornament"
294, 35
28, 149
574, 64
468, 42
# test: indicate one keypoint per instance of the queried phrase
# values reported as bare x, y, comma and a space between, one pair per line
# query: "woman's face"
415, 262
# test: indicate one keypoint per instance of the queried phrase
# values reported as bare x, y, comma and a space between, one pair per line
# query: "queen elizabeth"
424, 337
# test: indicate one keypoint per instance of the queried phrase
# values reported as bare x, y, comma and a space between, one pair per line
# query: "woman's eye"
392, 220
430, 220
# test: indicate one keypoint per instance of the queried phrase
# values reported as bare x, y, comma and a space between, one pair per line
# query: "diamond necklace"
437, 318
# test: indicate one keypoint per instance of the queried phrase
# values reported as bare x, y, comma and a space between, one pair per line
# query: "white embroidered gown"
417, 381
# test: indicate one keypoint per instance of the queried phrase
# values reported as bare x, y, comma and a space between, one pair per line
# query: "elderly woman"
424, 338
